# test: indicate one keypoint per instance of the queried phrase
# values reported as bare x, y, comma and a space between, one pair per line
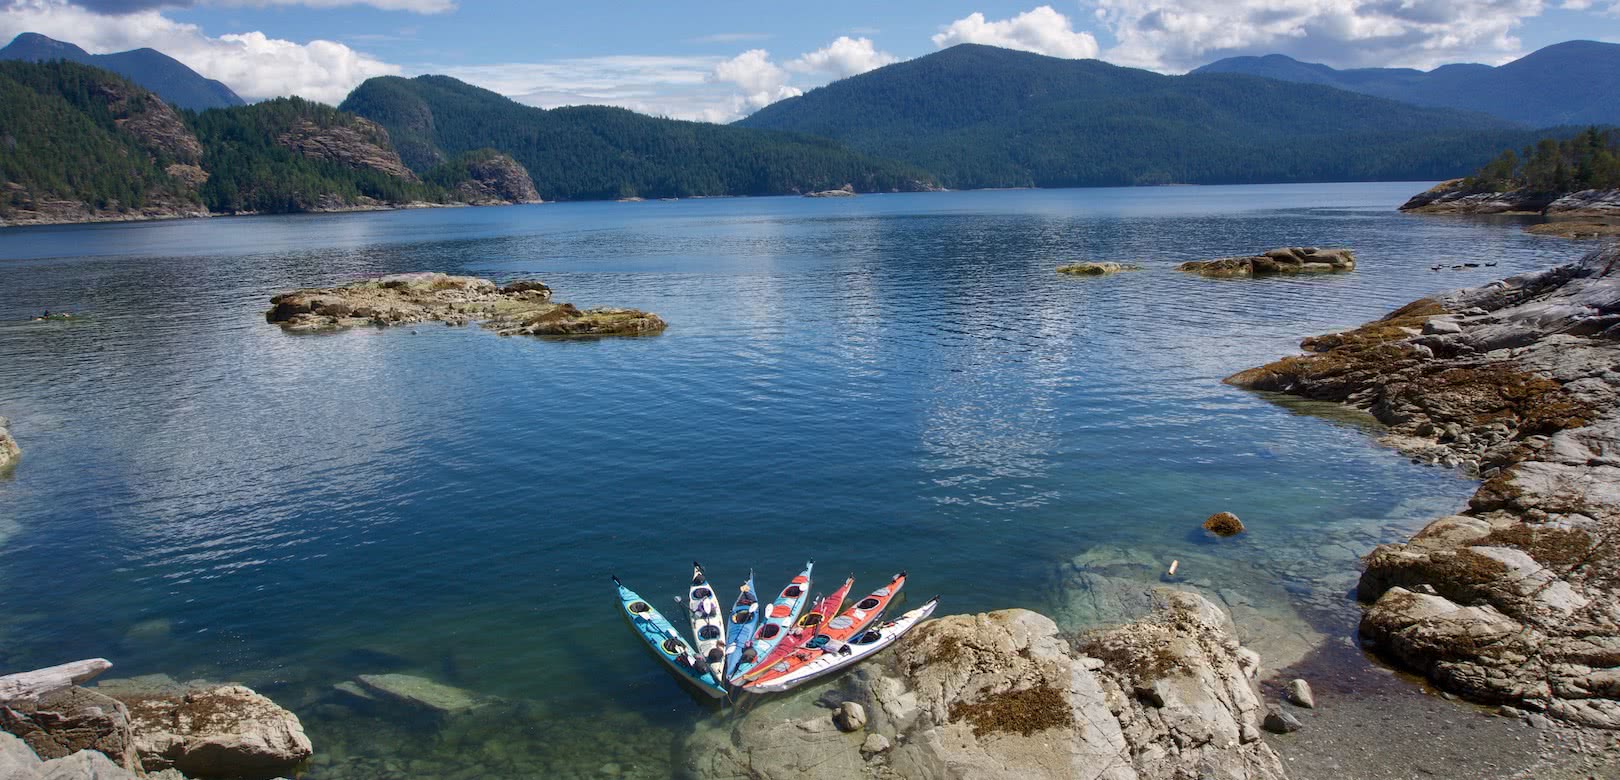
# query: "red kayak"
806, 627
841, 629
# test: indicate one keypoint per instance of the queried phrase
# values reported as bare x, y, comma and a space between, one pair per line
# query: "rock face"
1004, 695
1096, 269
213, 731
9, 451
1517, 599
496, 180
1458, 197
1288, 260
523, 307
846, 191
17, 762
363, 144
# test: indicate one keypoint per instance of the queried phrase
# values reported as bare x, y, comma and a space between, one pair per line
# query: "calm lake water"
884, 382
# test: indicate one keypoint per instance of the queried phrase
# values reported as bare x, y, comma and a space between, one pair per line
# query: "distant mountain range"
593, 152
1572, 83
149, 68
980, 116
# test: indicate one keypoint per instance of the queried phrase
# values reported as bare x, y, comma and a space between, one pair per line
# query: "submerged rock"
1575, 229
419, 692
1096, 269
1288, 260
1299, 692
1004, 695
522, 307
9, 451
1514, 601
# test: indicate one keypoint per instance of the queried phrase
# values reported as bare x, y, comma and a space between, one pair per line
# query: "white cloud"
843, 58
1174, 35
413, 6
1040, 30
679, 87
251, 63
763, 82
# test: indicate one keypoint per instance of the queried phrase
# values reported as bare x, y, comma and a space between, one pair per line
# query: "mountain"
154, 70
593, 152
85, 144
979, 116
1571, 83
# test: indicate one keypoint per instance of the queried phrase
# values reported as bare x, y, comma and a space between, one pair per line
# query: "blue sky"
718, 60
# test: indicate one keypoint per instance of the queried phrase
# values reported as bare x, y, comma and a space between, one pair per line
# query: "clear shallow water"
879, 383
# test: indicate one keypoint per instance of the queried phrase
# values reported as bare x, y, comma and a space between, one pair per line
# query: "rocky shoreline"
1459, 196
519, 308
1516, 601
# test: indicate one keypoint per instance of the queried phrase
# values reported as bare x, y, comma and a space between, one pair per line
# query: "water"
883, 382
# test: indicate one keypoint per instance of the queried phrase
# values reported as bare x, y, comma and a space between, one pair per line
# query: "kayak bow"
656, 631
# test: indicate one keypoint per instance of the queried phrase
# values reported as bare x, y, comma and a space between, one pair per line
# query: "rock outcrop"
1517, 599
846, 191
494, 180
1005, 695
206, 730
360, 144
1096, 269
1459, 196
1288, 260
9, 450
66, 721
18, 762
523, 307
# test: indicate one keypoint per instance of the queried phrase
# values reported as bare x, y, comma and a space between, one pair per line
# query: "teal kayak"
741, 624
779, 617
664, 640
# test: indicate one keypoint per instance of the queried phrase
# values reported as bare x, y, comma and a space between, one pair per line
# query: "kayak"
708, 627
741, 624
803, 630
842, 655
851, 622
658, 633
779, 617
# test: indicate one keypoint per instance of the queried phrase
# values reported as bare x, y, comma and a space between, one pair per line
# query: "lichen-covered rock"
213, 730
1287, 260
1517, 599
1004, 695
522, 307
1096, 269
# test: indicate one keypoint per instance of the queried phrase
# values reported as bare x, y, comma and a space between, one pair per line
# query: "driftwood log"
29, 686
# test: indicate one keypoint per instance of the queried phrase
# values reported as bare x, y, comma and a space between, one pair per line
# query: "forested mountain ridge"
149, 68
595, 152
84, 144
980, 116
1570, 83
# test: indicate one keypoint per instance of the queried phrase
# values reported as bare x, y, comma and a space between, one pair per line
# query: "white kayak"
844, 655
708, 626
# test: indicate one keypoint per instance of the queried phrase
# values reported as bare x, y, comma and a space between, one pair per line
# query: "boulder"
86, 765
1281, 721
1004, 695
1223, 524
9, 451
208, 730
850, 716
17, 760
67, 720
419, 692
1287, 260
1299, 692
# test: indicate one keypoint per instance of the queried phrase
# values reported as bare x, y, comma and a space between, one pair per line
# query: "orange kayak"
835, 632
805, 628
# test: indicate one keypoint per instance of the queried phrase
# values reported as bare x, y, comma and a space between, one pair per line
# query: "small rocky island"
1287, 260
1516, 600
519, 308
1096, 269
9, 451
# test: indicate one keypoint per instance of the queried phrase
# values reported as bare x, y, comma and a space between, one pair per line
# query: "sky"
719, 60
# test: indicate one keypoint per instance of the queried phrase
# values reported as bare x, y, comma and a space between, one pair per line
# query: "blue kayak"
741, 623
779, 617
658, 633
